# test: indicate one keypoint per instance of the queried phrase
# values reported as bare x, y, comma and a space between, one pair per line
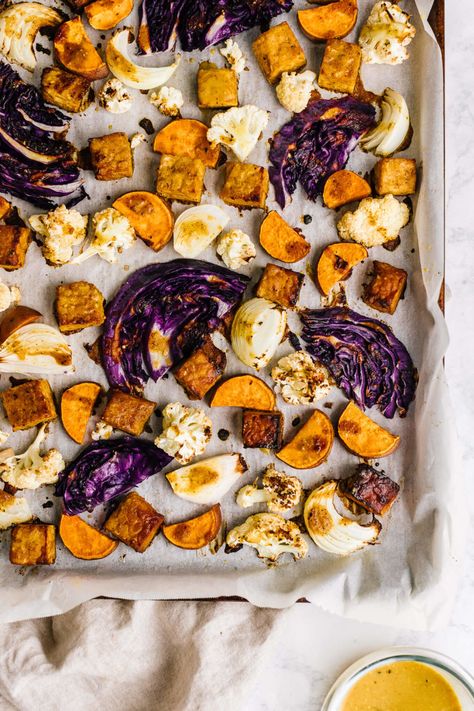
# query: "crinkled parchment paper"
410, 578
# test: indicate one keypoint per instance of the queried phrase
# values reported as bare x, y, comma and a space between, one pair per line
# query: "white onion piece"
257, 330
196, 228
36, 349
129, 73
207, 481
390, 134
19, 25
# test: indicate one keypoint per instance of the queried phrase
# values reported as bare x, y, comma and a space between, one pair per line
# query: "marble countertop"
314, 647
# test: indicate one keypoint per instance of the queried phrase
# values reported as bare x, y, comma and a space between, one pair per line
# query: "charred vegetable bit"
372, 490
368, 363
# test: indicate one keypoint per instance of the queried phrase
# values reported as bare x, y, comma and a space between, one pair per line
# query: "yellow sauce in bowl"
402, 686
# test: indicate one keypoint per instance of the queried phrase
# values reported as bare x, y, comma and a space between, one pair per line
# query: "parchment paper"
410, 578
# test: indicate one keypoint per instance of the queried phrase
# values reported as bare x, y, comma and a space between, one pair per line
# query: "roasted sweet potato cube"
68, 91
340, 66
127, 412
262, 429
33, 544
134, 522
277, 50
280, 285
29, 404
111, 156
180, 178
246, 185
371, 489
395, 176
217, 88
78, 305
14, 243
386, 288
198, 373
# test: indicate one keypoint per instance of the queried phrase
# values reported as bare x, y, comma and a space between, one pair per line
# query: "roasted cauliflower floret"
239, 129
112, 235
233, 56
114, 97
167, 100
61, 230
294, 90
280, 492
9, 295
301, 381
101, 430
386, 34
270, 535
31, 469
375, 222
13, 510
236, 249
186, 432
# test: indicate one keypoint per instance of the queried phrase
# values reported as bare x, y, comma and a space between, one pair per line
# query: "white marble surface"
312, 647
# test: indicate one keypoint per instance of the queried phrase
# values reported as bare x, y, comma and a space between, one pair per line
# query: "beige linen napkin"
134, 656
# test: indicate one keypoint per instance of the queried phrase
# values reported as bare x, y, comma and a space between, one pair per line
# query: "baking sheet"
409, 579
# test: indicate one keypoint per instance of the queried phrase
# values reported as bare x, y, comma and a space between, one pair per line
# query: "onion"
257, 330
390, 134
36, 348
19, 25
208, 480
332, 531
196, 228
128, 72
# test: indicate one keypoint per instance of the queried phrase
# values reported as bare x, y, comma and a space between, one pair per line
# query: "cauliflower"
32, 469
186, 432
4, 436
101, 430
136, 139
236, 249
112, 234
9, 295
167, 100
301, 380
61, 229
114, 97
376, 221
238, 128
270, 534
13, 510
280, 492
386, 34
294, 90
233, 56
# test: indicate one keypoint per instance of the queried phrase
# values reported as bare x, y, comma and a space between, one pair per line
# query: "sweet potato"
244, 391
77, 404
150, 216
16, 318
75, 52
5, 208
336, 262
329, 21
187, 137
84, 541
281, 241
363, 436
196, 532
106, 14
343, 187
311, 444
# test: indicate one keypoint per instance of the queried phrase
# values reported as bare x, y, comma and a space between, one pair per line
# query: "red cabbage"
201, 23
35, 164
160, 314
316, 143
106, 469
364, 357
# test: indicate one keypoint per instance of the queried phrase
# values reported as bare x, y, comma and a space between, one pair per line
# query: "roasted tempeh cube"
29, 404
5, 208
261, 428
33, 544
217, 87
386, 288
134, 522
198, 373
280, 285
395, 176
127, 412
246, 185
78, 305
340, 66
370, 489
111, 156
277, 50
14, 243
180, 178
68, 91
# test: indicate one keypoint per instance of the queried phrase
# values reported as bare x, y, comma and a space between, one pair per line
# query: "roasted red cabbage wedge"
160, 314
367, 361
106, 469
316, 143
